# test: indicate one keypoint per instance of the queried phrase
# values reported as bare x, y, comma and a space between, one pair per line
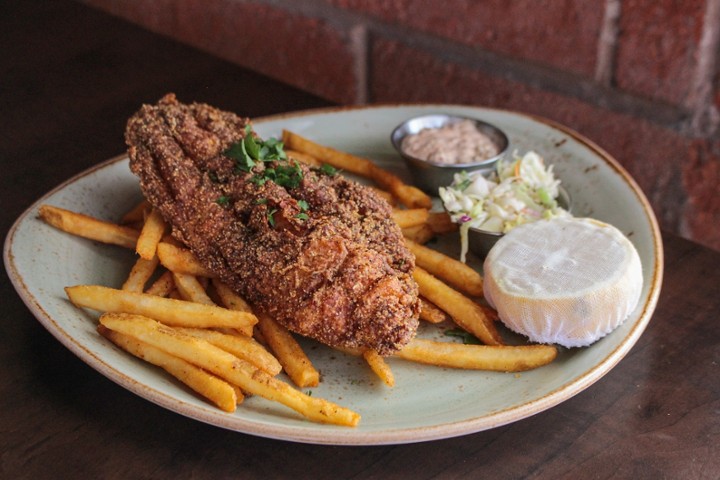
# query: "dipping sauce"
454, 143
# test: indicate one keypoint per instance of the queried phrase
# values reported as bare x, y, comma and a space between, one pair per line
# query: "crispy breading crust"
341, 276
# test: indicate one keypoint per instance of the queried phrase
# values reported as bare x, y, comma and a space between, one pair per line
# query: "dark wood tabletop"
70, 78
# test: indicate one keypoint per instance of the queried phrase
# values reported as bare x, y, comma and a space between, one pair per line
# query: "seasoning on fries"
181, 260
294, 361
167, 310
228, 367
209, 386
241, 346
500, 358
162, 286
430, 312
150, 235
191, 289
380, 367
466, 313
89, 227
140, 274
448, 269
420, 234
410, 217
136, 214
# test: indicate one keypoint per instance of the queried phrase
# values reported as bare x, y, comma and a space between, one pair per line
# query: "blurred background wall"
639, 78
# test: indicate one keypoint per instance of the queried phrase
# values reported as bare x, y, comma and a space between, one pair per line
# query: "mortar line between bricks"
705, 116
542, 77
607, 43
359, 40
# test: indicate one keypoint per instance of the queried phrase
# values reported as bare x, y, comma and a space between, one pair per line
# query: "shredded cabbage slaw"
520, 191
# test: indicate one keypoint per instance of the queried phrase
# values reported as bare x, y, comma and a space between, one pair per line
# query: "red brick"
655, 156
717, 91
560, 33
701, 178
157, 15
656, 55
301, 51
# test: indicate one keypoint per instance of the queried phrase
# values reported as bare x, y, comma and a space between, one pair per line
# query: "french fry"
380, 367
169, 239
440, 223
410, 217
89, 227
150, 235
167, 310
140, 274
419, 233
466, 313
386, 195
500, 358
238, 393
136, 214
162, 286
408, 195
490, 313
227, 366
287, 350
430, 312
181, 260
191, 289
336, 158
239, 345
209, 386
411, 197
451, 271
230, 299
233, 301
303, 158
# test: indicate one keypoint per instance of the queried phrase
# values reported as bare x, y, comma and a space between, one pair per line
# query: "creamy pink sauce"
454, 143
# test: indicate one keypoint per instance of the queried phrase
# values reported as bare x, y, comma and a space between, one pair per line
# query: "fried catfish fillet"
319, 253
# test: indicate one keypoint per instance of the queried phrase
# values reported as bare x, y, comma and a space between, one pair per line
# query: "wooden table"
70, 78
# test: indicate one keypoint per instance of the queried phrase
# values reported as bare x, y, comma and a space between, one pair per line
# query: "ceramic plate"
427, 402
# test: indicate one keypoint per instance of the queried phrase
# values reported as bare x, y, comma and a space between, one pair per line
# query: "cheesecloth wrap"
567, 281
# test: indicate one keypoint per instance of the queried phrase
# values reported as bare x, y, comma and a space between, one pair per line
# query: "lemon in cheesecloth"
567, 281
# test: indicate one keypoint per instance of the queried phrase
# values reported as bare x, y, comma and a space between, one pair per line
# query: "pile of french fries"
174, 313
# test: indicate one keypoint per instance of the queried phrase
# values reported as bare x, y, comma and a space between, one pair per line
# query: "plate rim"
321, 434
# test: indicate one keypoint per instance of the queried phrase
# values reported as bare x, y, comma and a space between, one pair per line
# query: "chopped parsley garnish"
223, 200
328, 170
303, 208
288, 175
467, 338
250, 150
270, 218
243, 161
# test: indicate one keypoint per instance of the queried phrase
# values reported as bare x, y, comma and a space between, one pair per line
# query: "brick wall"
640, 78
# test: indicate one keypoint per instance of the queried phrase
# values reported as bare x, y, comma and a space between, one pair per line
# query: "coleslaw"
520, 191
